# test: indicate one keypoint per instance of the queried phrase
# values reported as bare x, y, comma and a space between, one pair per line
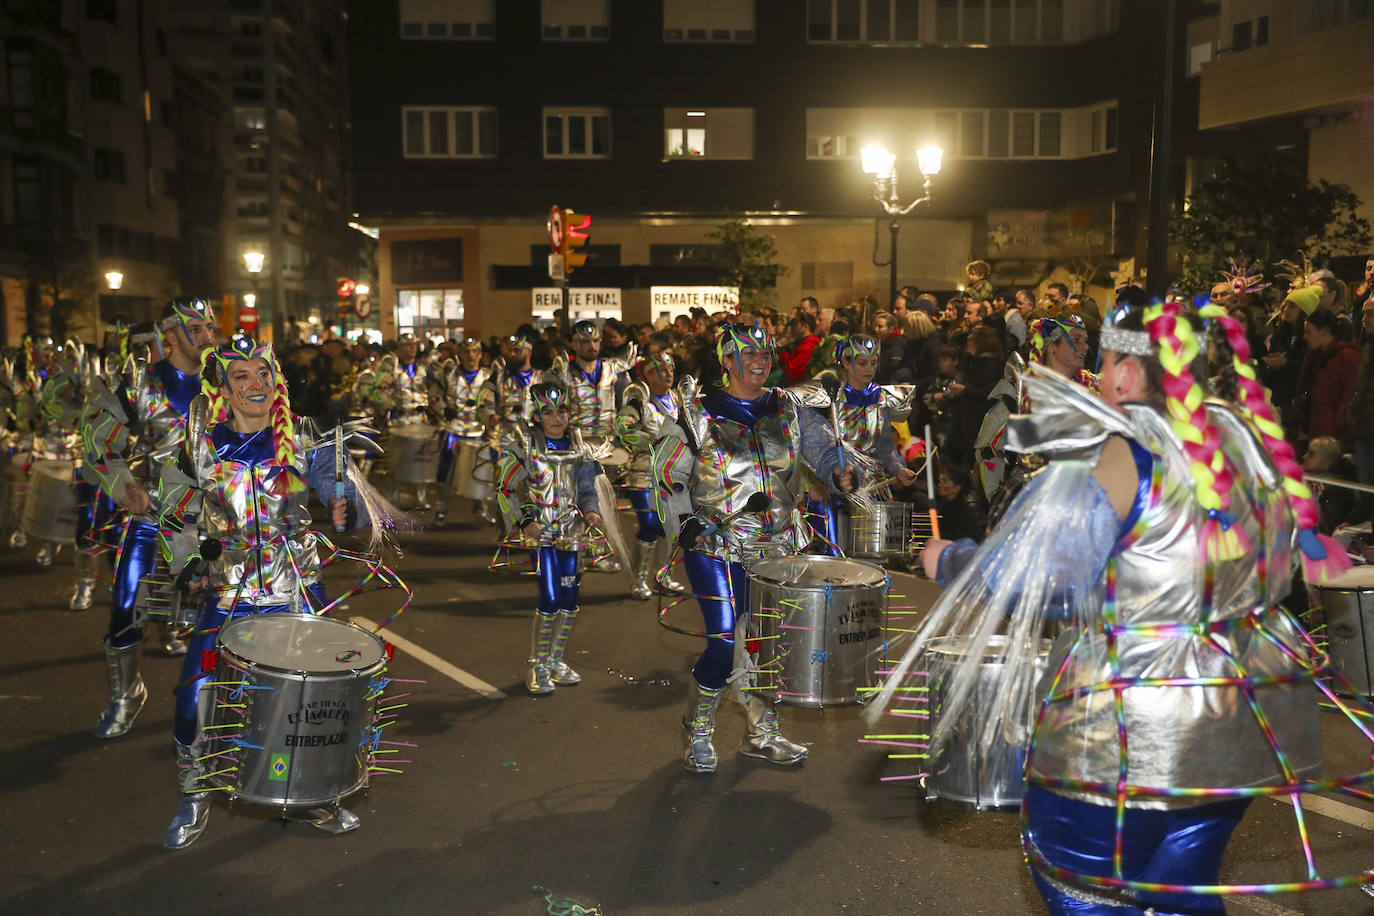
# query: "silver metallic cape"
1178, 736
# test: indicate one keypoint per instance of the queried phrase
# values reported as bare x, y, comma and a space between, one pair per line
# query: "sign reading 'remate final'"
711, 298
547, 297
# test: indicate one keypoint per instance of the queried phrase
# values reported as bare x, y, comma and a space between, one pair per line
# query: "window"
708, 20
1252, 33
252, 118
577, 133
998, 134
448, 133
105, 85
863, 20
576, 20
999, 22
28, 205
103, 10
109, 165
1102, 129
708, 133
439, 311
832, 147
451, 20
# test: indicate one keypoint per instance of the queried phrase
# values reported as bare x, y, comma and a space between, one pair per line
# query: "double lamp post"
882, 165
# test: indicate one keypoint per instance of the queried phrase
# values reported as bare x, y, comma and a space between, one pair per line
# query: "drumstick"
755, 504
930, 486
340, 466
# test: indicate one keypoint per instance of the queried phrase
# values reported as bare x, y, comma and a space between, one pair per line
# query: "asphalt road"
580, 793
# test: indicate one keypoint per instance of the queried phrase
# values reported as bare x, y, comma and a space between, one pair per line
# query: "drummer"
548, 492
591, 380
464, 425
243, 481
732, 441
649, 404
505, 398
859, 414
133, 420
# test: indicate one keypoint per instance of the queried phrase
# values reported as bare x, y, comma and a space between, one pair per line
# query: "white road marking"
473, 683
1328, 807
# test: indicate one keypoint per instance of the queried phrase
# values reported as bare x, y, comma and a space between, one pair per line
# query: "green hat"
1307, 298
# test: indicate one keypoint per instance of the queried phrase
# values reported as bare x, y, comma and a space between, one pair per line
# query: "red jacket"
1333, 387
794, 362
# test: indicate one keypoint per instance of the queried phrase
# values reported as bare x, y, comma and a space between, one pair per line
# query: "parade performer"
592, 385
242, 479
506, 393
134, 420
860, 414
464, 424
728, 444
649, 404
1161, 535
401, 391
548, 492
1059, 342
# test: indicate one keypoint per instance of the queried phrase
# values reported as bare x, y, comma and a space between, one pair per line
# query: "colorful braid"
1322, 557
219, 405
283, 426
1178, 348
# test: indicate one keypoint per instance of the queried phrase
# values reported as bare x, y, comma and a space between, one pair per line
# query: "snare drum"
960, 771
819, 622
295, 701
614, 455
1349, 603
474, 471
881, 531
414, 453
50, 512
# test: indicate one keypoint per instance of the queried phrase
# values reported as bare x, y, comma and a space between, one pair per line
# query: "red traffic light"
346, 287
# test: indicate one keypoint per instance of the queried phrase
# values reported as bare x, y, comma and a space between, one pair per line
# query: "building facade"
663, 119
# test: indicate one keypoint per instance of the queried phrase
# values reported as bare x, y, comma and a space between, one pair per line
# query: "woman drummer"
245, 472
733, 441
1162, 533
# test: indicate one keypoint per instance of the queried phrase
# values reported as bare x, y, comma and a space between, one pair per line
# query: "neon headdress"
241, 350
548, 394
735, 339
661, 362
1048, 330
586, 330
857, 345
182, 309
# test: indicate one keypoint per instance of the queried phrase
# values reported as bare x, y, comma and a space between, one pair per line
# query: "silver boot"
46, 551
698, 726
560, 671
664, 576
127, 693
83, 595
644, 561
763, 740
171, 644
193, 811
18, 539
330, 820
540, 679
487, 510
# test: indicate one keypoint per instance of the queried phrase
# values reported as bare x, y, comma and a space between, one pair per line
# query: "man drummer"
729, 443
243, 482
649, 404
859, 413
130, 426
464, 425
548, 492
505, 394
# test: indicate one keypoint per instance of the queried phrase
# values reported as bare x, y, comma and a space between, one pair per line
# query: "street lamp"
252, 262
114, 280
882, 165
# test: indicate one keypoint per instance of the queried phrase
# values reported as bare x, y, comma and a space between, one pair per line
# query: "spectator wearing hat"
1286, 349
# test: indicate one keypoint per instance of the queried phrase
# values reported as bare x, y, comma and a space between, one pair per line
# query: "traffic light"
346, 289
575, 235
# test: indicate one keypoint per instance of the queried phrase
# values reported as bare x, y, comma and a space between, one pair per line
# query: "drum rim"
1353, 573
255, 665
811, 559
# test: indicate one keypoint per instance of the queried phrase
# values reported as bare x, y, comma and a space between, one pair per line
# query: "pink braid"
1327, 558
1201, 440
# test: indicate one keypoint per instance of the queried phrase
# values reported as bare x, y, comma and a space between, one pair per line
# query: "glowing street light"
253, 260
114, 279
882, 165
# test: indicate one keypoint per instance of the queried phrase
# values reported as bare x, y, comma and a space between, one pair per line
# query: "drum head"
302, 642
1355, 579
414, 431
812, 572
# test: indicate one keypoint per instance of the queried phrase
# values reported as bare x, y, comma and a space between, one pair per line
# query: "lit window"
708, 133
872, 21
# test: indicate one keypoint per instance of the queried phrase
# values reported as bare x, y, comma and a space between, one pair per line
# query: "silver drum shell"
879, 534
1349, 603
413, 453
819, 622
474, 470
321, 721
50, 503
960, 771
